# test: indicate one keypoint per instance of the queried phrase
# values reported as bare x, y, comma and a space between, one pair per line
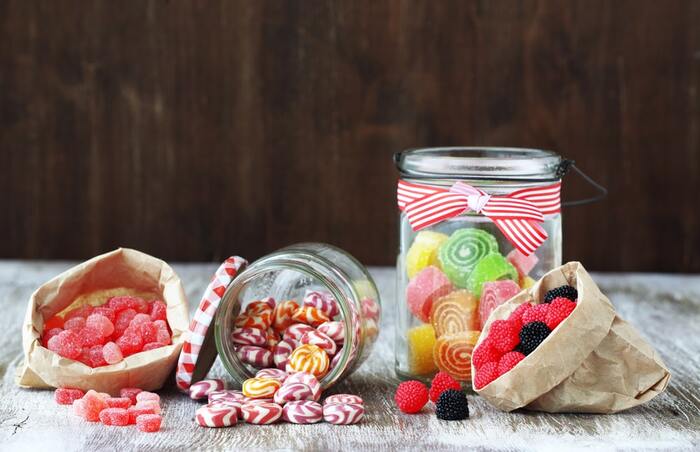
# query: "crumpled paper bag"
120, 272
593, 362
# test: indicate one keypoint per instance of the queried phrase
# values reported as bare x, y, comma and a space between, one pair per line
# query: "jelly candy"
321, 340
427, 286
494, 294
111, 353
282, 315
148, 422
67, 344
523, 264
123, 320
53, 322
114, 416
90, 336
140, 319
49, 334
106, 312
343, 413
453, 354
92, 404
152, 404
158, 311
423, 251
146, 395
129, 393
459, 255
456, 312
310, 316
421, 340
493, 267
101, 324
83, 312
260, 388
216, 416
66, 396
309, 358
118, 402
75, 323
261, 413
135, 412
130, 342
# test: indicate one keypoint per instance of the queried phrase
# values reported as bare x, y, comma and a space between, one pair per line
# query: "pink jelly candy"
111, 353
524, 264
146, 395
130, 342
151, 404
75, 323
148, 332
66, 396
92, 404
426, 287
163, 336
90, 336
158, 311
494, 294
124, 318
51, 333
139, 305
101, 324
93, 356
106, 312
149, 422
67, 344
130, 393
114, 416
151, 346
139, 319
83, 312
118, 402
135, 412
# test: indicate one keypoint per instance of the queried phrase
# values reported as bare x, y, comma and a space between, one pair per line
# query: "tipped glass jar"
264, 314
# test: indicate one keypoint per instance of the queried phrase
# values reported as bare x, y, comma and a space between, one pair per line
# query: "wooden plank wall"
193, 130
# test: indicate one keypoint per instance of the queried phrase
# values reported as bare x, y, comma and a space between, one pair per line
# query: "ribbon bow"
519, 215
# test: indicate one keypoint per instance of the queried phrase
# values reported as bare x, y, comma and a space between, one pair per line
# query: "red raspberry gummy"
140, 318
148, 422
130, 393
112, 353
66, 396
442, 382
411, 396
537, 313
517, 315
158, 310
114, 416
504, 335
485, 375
508, 361
559, 309
130, 342
151, 346
100, 323
75, 323
135, 412
485, 353
151, 404
118, 402
66, 344
148, 331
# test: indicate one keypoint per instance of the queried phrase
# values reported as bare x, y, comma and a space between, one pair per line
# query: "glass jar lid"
493, 163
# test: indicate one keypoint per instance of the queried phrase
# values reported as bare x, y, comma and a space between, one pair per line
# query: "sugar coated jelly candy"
423, 251
67, 344
494, 294
135, 412
75, 323
493, 267
111, 353
123, 320
158, 310
53, 322
92, 404
130, 342
149, 422
130, 393
66, 396
422, 291
421, 340
101, 324
459, 255
146, 395
114, 416
118, 402
523, 264
456, 312
90, 337
453, 354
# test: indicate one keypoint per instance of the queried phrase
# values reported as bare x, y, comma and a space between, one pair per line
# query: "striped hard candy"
216, 416
321, 340
272, 338
293, 391
336, 359
235, 404
261, 322
343, 413
260, 388
343, 398
202, 389
255, 356
249, 400
261, 413
323, 301
249, 336
370, 308
282, 315
225, 394
281, 353
307, 379
302, 412
310, 316
370, 329
335, 330
295, 332
276, 374
264, 306
309, 358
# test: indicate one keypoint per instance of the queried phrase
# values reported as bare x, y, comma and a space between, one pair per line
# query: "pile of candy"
455, 282
273, 395
133, 406
510, 341
446, 392
103, 335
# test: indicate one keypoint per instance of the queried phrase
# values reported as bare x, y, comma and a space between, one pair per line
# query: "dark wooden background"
192, 130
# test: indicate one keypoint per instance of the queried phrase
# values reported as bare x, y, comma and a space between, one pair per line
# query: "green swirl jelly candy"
460, 253
493, 267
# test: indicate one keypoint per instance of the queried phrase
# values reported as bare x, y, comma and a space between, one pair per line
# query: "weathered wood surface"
665, 308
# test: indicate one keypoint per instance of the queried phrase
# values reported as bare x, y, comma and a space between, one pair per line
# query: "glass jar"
292, 274
446, 287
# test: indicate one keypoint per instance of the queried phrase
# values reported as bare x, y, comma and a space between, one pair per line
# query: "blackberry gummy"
532, 335
563, 291
452, 405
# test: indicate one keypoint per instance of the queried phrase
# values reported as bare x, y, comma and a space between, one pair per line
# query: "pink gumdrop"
148, 332
75, 323
93, 403
66, 396
66, 344
494, 294
152, 404
163, 336
100, 323
83, 312
90, 336
118, 402
524, 264
51, 333
151, 346
158, 310
138, 304
107, 312
426, 287
114, 416
130, 342
147, 395
139, 319
148, 422
124, 318
135, 412
112, 353
94, 356
130, 393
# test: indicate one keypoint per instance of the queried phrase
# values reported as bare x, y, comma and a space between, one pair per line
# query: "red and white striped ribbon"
518, 215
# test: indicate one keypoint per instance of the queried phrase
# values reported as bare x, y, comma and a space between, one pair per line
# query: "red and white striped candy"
282, 315
260, 388
255, 356
343, 413
296, 331
343, 398
261, 322
310, 315
249, 336
293, 391
307, 379
261, 413
370, 328
335, 330
323, 301
272, 338
235, 404
226, 394
249, 400
281, 353
370, 308
320, 340
216, 416
302, 412
264, 306
276, 374
203, 388
336, 359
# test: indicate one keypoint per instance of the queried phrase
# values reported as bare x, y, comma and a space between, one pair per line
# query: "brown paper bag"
120, 272
594, 362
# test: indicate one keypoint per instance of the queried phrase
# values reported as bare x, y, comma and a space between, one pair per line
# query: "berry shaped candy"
411, 396
452, 406
441, 383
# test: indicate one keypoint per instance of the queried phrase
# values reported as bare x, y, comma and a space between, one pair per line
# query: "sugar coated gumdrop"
130, 393
66, 396
421, 340
459, 255
158, 310
423, 251
140, 318
100, 323
453, 354
75, 323
49, 334
523, 264
112, 353
427, 286
92, 404
90, 336
93, 356
130, 342
114, 416
67, 344
149, 422
124, 318
135, 412
118, 402
493, 267
146, 395
494, 294
106, 312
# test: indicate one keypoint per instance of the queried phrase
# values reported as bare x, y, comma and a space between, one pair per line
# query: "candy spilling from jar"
455, 282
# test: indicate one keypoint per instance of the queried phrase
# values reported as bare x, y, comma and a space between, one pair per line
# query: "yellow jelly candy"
526, 282
423, 251
421, 340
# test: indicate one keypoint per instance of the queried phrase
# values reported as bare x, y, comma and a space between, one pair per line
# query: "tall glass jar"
452, 274
293, 273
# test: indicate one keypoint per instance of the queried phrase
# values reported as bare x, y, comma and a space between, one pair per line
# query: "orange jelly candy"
456, 312
453, 354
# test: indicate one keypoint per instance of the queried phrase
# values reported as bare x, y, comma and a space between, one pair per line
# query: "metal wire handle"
564, 167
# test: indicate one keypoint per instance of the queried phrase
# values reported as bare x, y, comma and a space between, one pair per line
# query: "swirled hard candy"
272, 338
203, 388
343, 413
260, 388
235, 404
264, 306
225, 394
370, 308
302, 412
295, 332
258, 401
216, 416
282, 315
307, 379
293, 391
249, 336
321, 340
336, 359
261, 322
323, 301
310, 316
276, 374
261, 413
281, 352
343, 398
255, 356
309, 358
334, 329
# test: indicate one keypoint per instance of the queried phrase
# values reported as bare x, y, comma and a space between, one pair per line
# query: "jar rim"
493, 163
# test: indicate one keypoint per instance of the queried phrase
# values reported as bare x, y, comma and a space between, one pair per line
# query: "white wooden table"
665, 308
